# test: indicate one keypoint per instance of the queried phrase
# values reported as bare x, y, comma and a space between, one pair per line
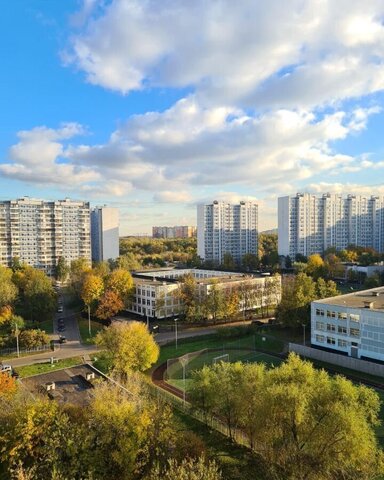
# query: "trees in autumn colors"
103, 292
128, 347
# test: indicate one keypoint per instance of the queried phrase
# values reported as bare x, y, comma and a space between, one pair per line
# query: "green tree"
128, 346
297, 294
37, 300
33, 338
188, 469
326, 289
250, 261
215, 302
62, 269
228, 262
8, 290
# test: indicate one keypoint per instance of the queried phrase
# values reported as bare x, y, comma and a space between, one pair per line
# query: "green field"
251, 341
29, 370
84, 330
196, 362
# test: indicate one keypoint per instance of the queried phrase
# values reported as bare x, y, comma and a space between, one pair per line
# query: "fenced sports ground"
179, 369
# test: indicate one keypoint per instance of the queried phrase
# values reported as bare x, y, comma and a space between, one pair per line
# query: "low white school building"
351, 324
156, 291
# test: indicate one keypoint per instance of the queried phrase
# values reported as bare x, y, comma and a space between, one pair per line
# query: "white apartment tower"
39, 232
310, 224
227, 228
105, 233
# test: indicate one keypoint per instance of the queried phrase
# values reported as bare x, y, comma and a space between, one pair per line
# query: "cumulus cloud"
289, 54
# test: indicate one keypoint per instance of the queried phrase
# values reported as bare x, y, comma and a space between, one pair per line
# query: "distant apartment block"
40, 232
309, 224
351, 324
156, 291
182, 231
227, 228
105, 233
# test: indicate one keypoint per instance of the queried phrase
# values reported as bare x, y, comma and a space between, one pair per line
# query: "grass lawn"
30, 370
84, 330
175, 370
47, 326
187, 345
235, 461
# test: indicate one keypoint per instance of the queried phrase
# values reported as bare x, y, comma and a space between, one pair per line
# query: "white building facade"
39, 232
309, 224
227, 228
105, 233
351, 324
156, 292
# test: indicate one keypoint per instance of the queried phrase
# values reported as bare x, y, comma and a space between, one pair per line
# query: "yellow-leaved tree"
128, 347
91, 290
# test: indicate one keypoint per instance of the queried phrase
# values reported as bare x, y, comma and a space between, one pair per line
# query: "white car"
5, 368
60, 309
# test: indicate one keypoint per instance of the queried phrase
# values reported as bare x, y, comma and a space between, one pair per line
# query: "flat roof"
361, 299
71, 385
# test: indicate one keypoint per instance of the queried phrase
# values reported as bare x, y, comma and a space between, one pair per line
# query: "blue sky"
155, 106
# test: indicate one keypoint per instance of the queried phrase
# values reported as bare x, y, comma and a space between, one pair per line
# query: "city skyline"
159, 118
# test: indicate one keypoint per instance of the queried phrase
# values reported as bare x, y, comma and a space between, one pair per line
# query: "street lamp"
17, 339
303, 324
175, 320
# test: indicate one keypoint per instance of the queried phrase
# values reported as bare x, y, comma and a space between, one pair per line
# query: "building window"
342, 343
331, 341
342, 316
331, 327
320, 312
342, 330
153, 294
354, 317
320, 326
354, 332
320, 338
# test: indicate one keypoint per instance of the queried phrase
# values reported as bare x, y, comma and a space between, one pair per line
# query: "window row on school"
340, 329
339, 315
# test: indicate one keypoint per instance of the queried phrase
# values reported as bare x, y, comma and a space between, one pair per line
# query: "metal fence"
24, 351
336, 359
211, 421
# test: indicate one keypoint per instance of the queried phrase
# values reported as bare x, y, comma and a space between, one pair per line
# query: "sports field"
179, 370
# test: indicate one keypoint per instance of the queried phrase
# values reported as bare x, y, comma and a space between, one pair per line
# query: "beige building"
156, 290
39, 232
181, 231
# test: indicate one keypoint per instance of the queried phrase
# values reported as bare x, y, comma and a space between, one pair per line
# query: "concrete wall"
340, 360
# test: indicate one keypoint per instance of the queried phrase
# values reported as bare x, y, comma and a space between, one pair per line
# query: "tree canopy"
128, 347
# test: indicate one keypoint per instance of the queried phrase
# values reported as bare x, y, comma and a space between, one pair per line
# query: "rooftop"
69, 385
372, 299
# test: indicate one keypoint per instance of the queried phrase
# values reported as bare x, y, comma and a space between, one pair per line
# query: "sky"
154, 106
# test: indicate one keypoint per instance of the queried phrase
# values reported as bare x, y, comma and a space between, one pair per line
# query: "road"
73, 347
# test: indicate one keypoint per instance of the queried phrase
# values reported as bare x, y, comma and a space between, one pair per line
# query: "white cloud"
289, 54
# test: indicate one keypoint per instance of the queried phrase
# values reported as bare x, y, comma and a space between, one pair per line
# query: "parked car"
60, 309
4, 368
61, 328
62, 339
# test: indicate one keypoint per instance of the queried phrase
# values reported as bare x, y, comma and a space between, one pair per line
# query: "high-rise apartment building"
179, 231
105, 233
310, 224
227, 228
39, 232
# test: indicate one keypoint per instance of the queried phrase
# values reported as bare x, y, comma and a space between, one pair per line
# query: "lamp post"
175, 320
17, 339
303, 333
